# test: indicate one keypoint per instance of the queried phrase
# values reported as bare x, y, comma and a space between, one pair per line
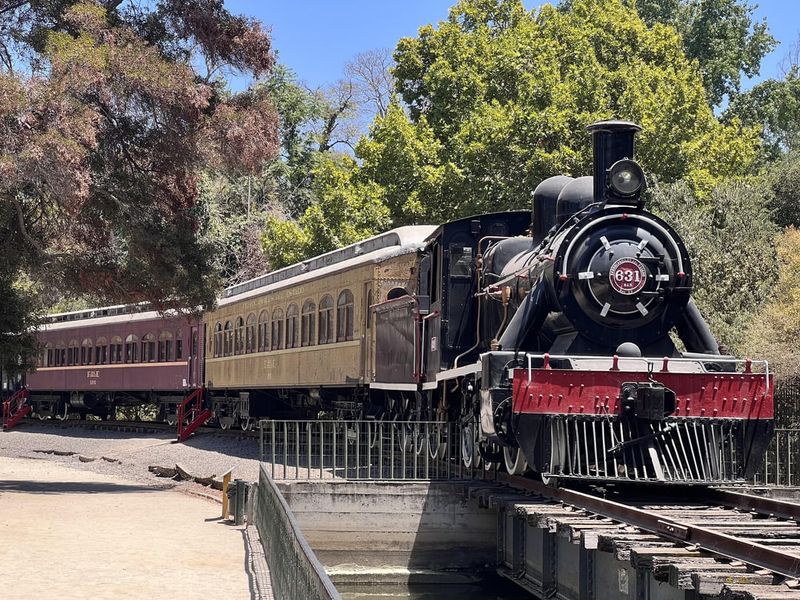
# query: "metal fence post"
241, 498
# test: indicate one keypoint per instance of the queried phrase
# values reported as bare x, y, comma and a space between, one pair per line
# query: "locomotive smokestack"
612, 142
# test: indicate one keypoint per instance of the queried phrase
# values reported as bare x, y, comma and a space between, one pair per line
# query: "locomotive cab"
449, 282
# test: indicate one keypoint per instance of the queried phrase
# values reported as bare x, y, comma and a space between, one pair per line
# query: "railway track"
133, 427
703, 540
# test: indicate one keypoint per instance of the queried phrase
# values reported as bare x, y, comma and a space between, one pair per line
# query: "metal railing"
781, 465
423, 450
294, 569
409, 450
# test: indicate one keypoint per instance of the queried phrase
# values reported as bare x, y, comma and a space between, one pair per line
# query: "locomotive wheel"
65, 415
246, 424
40, 416
470, 455
437, 447
515, 461
492, 455
224, 425
405, 439
420, 439
549, 480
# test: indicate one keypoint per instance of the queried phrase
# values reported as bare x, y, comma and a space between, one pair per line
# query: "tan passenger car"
306, 329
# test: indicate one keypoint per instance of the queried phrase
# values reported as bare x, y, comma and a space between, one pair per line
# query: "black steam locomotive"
576, 350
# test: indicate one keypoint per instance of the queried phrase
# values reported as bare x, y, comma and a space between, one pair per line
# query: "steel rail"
133, 427
758, 504
732, 547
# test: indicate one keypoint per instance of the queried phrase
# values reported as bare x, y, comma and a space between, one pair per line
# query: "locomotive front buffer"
671, 420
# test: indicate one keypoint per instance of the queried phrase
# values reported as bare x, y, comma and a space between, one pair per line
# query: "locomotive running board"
403, 387
449, 374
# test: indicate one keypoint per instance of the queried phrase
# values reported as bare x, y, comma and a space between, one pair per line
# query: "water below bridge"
492, 587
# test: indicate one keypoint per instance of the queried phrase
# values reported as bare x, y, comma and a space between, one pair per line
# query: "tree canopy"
774, 107
772, 332
106, 121
498, 98
346, 210
721, 35
730, 239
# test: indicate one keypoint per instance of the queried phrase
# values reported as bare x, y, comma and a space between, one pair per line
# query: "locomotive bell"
617, 177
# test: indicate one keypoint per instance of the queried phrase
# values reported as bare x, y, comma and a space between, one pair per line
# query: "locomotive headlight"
626, 178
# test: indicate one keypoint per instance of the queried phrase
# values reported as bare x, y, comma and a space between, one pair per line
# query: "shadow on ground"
23, 486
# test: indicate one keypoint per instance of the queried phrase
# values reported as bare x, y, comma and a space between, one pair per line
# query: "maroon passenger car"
95, 360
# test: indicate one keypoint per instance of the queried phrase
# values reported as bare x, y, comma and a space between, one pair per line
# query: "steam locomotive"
565, 343
602, 277
589, 359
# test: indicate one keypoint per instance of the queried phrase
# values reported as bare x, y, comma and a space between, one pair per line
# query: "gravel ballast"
128, 455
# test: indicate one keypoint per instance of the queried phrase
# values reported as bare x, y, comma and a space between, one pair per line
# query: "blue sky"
316, 38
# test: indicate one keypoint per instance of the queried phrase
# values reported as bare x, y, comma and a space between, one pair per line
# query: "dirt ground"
77, 534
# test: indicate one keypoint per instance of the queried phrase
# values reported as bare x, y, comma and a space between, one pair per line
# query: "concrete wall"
393, 524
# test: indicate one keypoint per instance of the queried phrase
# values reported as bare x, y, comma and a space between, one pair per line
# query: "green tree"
783, 179
236, 211
730, 238
772, 332
722, 35
774, 107
300, 111
410, 164
498, 98
347, 209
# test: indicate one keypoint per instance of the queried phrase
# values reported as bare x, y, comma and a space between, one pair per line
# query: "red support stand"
191, 414
15, 408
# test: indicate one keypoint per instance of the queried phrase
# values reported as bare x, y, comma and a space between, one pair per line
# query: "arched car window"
277, 329
101, 351
238, 345
292, 330
131, 349
165, 346
263, 331
218, 345
326, 320
250, 334
148, 348
115, 350
344, 316
179, 345
87, 347
73, 353
227, 343
308, 321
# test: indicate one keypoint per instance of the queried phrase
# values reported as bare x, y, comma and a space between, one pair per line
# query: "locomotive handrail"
651, 362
